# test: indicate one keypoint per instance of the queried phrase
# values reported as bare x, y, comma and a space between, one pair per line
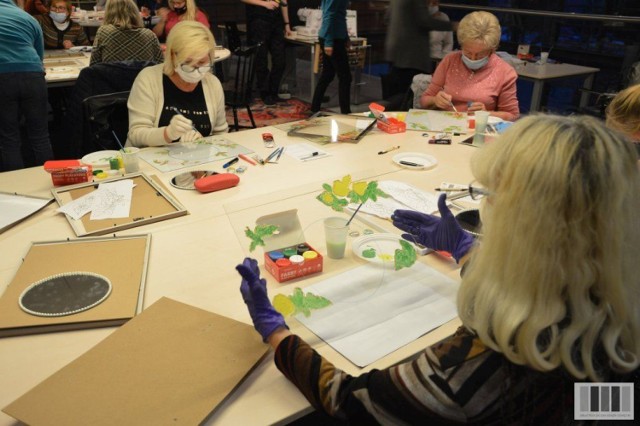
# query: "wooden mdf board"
172, 364
122, 260
150, 203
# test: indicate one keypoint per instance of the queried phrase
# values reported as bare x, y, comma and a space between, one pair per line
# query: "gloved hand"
438, 233
178, 126
265, 318
191, 136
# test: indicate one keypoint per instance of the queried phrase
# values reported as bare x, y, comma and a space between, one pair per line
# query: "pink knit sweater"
494, 84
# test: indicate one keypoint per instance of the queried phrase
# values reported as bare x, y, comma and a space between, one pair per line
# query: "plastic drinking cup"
544, 57
335, 231
130, 159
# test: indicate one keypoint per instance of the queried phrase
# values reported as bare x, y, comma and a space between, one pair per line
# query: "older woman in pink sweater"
475, 78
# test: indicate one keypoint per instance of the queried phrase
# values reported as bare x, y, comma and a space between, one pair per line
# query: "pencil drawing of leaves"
259, 232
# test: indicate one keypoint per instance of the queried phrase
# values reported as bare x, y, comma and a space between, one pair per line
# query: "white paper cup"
544, 57
335, 231
482, 117
130, 159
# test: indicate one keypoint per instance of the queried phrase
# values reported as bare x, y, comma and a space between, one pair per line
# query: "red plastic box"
393, 125
68, 172
289, 236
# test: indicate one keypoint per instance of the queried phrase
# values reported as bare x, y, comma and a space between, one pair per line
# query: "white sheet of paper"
78, 207
402, 196
305, 152
113, 200
14, 208
375, 310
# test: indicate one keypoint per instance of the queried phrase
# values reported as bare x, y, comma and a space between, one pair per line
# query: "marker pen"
230, 162
409, 163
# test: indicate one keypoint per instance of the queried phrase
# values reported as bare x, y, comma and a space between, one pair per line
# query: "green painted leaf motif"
404, 257
259, 232
305, 303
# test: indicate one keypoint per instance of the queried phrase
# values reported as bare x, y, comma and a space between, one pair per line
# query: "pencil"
247, 159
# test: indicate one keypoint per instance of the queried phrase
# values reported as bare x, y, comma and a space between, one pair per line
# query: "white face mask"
190, 77
58, 17
433, 10
475, 65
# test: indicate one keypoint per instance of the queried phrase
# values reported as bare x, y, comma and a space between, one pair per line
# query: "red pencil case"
216, 182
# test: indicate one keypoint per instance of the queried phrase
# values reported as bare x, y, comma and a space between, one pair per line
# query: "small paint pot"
282, 262
302, 248
290, 251
296, 259
309, 254
275, 255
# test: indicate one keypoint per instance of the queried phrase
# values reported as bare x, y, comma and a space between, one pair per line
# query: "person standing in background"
334, 42
441, 42
23, 89
407, 44
267, 22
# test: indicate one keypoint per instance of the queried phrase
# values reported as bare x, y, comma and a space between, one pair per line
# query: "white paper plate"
380, 247
423, 161
99, 158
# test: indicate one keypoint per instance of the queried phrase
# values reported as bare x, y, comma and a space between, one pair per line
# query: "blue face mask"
58, 17
475, 65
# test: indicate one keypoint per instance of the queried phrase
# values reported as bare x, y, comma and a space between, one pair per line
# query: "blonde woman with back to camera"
475, 78
548, 298
122, 37
623, 114
180, 100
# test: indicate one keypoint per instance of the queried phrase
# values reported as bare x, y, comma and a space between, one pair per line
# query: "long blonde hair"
623, 113
556, 278
123, 14
188, 39
192, 9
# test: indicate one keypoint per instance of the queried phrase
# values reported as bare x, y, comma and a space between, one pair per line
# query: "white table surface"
193, 257
541, 73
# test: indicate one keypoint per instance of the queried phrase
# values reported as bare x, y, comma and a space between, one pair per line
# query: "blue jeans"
23, 94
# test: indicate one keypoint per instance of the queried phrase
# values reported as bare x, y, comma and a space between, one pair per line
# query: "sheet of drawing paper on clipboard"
325, 127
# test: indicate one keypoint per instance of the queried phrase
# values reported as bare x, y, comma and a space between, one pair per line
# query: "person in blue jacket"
334, 42
23, 89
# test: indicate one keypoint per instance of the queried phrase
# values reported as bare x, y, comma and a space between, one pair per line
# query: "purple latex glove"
438, 233
265, 318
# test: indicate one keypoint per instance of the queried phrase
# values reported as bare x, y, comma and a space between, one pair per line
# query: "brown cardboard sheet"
172, 364
150, 203
122, 260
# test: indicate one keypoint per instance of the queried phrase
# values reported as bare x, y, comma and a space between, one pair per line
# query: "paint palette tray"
287, 255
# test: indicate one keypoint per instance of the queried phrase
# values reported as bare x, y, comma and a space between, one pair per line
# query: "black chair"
241, 96
98, 79
234, 36
104, 115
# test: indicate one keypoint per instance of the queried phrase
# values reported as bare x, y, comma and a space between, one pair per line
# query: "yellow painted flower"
284, 305
341, 187
359, 188
327, 198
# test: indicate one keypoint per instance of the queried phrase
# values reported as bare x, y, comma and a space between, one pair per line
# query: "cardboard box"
393, 125
68, 172
283, 244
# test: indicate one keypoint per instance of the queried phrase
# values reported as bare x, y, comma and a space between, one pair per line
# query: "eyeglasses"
201, 69
59, 8
476, 193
